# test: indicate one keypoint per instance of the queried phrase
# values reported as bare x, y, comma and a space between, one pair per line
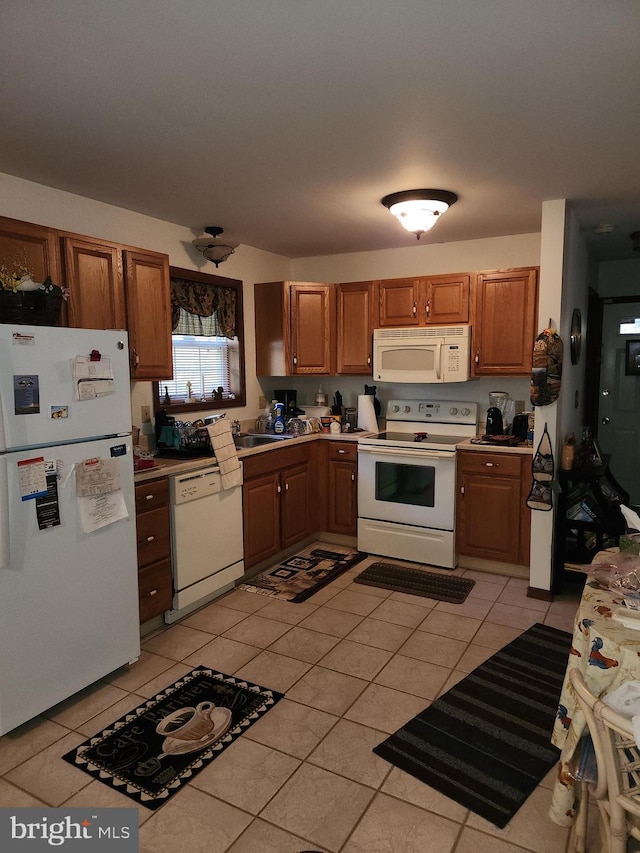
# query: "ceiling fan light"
419, 210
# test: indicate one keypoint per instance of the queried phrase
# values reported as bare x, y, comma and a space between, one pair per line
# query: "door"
619, 398
407, 486
38, 392
149, 315
93, 273
68, 597
312, 321
355, 327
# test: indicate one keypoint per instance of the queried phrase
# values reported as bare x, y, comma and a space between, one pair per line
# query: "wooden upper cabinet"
30, 247
295, 323
504, 320
433, 300
398, 300
447, 299
355, 323
148, 314
93, 273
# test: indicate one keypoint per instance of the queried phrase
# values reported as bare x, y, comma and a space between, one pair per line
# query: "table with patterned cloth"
607, 654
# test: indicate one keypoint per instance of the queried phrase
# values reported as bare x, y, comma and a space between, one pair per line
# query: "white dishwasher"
206, 539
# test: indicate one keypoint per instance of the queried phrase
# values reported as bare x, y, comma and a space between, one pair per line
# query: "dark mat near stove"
149, 753
449, 588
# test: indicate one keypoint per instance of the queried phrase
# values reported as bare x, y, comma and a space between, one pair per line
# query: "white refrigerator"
68, 562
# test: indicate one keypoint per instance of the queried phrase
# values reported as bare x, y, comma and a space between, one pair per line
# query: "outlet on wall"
146, 414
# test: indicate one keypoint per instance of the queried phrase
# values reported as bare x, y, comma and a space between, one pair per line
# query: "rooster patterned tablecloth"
608, 654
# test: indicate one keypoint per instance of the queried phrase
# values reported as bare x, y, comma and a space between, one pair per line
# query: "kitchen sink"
244, 442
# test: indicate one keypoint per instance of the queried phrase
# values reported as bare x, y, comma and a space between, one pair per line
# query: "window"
630, 326
208, 348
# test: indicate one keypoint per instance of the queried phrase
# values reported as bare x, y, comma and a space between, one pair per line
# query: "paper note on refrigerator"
101, 510
97, 476
92, 378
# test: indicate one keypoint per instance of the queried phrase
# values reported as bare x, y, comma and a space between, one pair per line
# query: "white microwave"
426, 354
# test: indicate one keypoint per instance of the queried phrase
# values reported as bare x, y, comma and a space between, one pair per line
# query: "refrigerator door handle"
4, 514
3, 438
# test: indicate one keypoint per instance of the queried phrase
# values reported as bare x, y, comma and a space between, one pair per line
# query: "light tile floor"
356, 663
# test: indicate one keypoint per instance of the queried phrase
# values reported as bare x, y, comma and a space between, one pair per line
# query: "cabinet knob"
428, 307
278, 488
149, 538
148, 497
152, 592
353, 476
414, 309
368, 361
491, 465
295, 359
477, 358
341, 450
135, 358
286, 487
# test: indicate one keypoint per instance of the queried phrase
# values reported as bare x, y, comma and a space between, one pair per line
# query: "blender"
496, 413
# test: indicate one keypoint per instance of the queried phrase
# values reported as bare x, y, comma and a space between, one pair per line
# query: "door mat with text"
149, 753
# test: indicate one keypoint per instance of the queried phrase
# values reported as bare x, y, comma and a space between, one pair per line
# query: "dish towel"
225, 453
626, 701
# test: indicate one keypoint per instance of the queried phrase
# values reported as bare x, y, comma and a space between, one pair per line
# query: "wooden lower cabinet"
493, 521
277, 501
153, 532
342, 497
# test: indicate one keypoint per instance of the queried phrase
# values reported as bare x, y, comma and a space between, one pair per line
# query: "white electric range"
407, 478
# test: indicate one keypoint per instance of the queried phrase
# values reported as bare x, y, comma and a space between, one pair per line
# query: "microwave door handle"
438, 363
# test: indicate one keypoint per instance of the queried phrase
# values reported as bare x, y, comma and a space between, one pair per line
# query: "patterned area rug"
159, 746
416, 582
300, 576
486, 743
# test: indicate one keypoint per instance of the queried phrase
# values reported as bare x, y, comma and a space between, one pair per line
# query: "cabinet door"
343, 509
447, 299
295, 523
488, 517
32, 248
355, 327
261, 518
312, 313
93, 273
149, 314
398, 301
504, 322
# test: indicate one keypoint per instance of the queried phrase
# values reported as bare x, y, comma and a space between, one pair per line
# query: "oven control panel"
433, 411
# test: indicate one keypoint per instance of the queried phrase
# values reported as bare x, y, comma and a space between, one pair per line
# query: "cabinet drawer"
152, 494
155, 589
341, 450
500, 464
154, 536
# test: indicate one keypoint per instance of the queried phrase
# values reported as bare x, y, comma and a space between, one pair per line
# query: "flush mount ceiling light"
636, 240
419, 210
214, 250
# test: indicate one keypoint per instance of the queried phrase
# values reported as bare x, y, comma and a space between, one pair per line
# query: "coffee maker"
290, 400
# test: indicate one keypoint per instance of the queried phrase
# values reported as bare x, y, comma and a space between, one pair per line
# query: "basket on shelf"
30, 307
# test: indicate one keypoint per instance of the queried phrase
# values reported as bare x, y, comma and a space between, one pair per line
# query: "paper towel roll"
366, 413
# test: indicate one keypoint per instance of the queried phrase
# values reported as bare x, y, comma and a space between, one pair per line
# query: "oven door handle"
397, 451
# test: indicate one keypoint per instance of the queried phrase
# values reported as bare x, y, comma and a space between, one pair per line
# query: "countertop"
493, 448
165, 467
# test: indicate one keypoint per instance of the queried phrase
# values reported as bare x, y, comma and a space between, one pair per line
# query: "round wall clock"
576, 335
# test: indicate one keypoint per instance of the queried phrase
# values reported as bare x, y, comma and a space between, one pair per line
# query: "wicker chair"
617, 791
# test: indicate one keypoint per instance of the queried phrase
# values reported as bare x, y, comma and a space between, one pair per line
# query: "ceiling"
286, 121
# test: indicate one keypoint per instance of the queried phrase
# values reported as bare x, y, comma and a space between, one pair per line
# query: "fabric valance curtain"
204, 300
